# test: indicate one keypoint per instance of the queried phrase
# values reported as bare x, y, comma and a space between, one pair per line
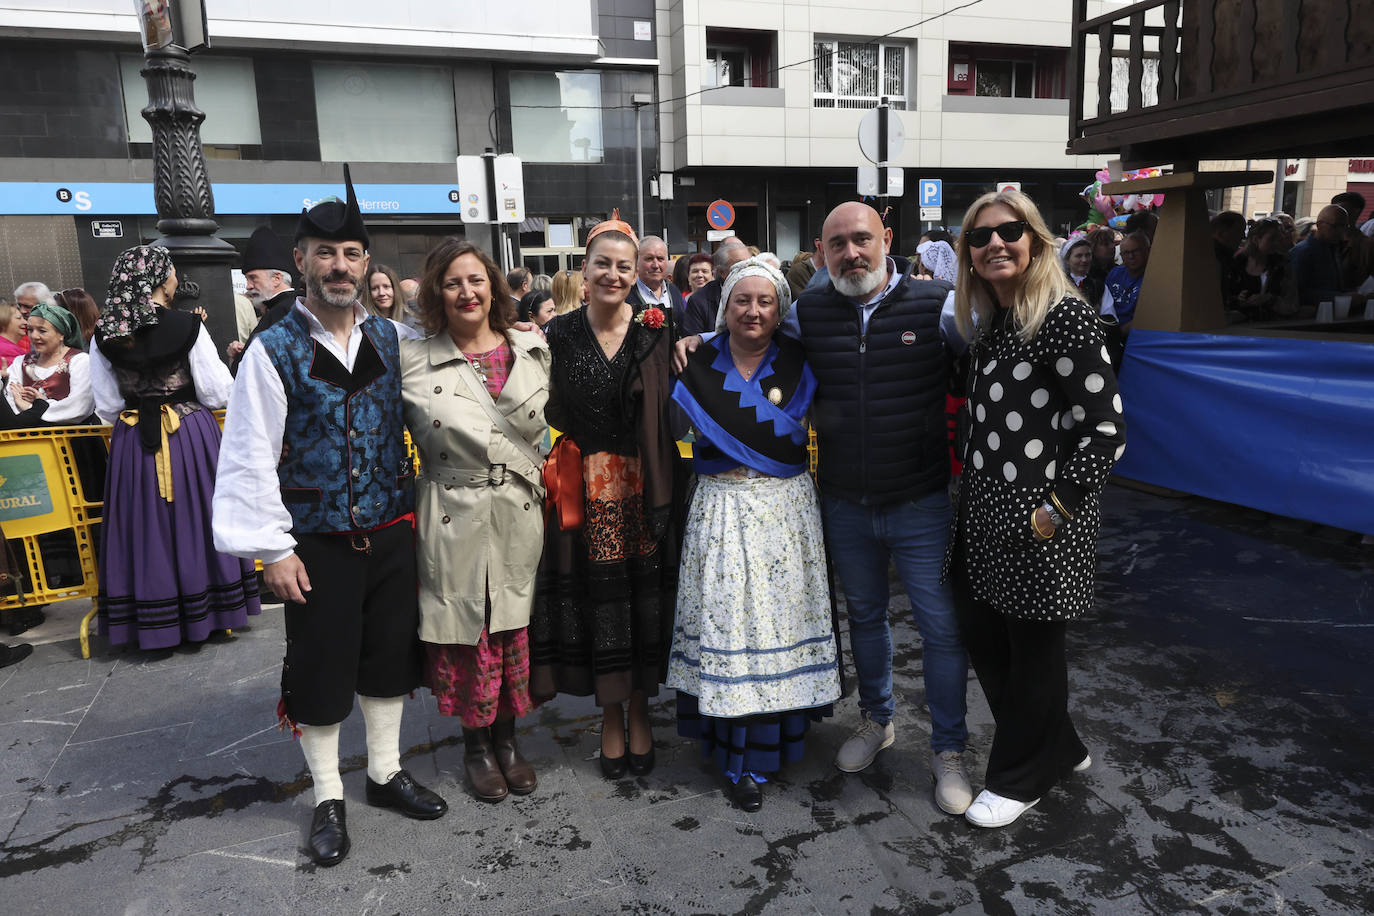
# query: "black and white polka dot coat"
1045, 417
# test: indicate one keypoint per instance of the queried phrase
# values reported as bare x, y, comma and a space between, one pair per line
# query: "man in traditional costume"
267, 265
315, 480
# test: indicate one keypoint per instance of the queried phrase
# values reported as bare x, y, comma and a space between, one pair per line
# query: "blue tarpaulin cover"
1278, 424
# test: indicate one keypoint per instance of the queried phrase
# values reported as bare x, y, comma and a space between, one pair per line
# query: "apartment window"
1005, 79
739, 57
556, 117
370, 112
1007, 71
854, 74
225, 91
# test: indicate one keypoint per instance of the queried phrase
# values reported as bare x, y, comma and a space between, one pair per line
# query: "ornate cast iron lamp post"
181, 183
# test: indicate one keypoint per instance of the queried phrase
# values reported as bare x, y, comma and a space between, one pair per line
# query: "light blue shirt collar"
648, 295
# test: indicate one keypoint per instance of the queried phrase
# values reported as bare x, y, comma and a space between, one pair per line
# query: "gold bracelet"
1035, 526
1060, 506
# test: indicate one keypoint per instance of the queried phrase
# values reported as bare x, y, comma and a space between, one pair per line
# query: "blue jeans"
911, 534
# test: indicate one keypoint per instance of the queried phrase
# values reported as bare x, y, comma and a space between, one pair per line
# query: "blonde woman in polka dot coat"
1046, 428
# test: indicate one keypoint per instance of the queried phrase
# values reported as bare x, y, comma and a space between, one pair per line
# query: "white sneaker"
868, 739
1083, 764
952, 792
992, 810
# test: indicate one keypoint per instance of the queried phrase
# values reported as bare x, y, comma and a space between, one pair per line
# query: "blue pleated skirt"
758, 744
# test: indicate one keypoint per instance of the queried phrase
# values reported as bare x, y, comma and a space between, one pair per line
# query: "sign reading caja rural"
23, 488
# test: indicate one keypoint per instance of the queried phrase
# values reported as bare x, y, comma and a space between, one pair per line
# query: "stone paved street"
1222, 686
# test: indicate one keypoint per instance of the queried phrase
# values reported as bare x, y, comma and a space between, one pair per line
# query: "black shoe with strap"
406, 795
329, 842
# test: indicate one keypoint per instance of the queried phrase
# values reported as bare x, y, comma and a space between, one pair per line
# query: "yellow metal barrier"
52, 485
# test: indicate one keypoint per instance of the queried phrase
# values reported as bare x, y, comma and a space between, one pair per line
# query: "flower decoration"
651, 318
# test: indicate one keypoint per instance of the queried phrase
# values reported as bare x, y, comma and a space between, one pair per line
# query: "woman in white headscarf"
938, 260
754, 656
1077, 256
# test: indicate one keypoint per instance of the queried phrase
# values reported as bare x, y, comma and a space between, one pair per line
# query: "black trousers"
1022, 668
358, 630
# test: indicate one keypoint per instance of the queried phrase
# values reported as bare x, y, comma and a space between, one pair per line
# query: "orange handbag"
564, 494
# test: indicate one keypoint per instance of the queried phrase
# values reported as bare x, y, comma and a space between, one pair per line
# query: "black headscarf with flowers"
129, 302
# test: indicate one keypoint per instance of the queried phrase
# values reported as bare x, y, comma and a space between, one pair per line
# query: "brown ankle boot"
483, 772
519, 773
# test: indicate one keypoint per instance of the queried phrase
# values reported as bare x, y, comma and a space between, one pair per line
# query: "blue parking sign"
931, 191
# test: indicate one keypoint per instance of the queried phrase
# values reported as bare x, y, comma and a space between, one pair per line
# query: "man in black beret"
314, 479
267, 266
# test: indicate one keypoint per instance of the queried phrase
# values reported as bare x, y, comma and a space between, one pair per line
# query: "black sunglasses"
1010, 232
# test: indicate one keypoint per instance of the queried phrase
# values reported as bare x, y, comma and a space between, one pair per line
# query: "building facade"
761, 104
1309, 185
292, 90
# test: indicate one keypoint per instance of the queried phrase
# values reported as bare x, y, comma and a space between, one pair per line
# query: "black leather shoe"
26, 619
747, 794
329, 833
613, 767
407, 795
13, 655
641, 764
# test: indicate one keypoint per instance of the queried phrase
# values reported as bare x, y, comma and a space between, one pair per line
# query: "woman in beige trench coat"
474, 403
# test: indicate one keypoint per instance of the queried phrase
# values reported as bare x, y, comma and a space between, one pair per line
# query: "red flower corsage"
651, 318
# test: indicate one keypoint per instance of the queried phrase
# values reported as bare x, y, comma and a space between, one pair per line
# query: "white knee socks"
383, 718
321, 746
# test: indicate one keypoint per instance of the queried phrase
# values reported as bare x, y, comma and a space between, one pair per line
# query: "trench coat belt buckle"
493, 475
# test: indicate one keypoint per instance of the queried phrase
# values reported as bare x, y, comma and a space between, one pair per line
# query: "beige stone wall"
1261, 196
1325, 179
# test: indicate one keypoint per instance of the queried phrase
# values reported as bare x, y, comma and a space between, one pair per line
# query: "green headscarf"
62, 320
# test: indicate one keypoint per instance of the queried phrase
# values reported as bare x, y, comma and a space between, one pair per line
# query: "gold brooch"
775, 395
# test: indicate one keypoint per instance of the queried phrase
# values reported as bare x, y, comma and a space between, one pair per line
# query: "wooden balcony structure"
1231, 79
1178, 81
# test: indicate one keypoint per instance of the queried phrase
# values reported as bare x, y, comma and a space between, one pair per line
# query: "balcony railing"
1220, 78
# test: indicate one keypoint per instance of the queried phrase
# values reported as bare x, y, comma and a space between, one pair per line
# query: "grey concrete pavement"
1222, 687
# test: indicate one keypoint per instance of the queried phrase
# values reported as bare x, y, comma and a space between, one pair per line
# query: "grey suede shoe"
868, 739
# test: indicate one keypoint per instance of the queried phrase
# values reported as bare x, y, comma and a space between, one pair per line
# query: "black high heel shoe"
613, 767
641, 764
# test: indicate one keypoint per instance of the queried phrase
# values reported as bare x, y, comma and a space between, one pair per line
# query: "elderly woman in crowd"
699, 272
603, 615
14, 335
1046, 429
156, 376
474, 403
754, 656
51, 384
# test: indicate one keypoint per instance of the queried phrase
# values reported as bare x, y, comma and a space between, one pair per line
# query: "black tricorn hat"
266, 251
337, 222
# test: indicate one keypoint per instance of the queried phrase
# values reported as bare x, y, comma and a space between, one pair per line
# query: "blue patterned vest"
344, 465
